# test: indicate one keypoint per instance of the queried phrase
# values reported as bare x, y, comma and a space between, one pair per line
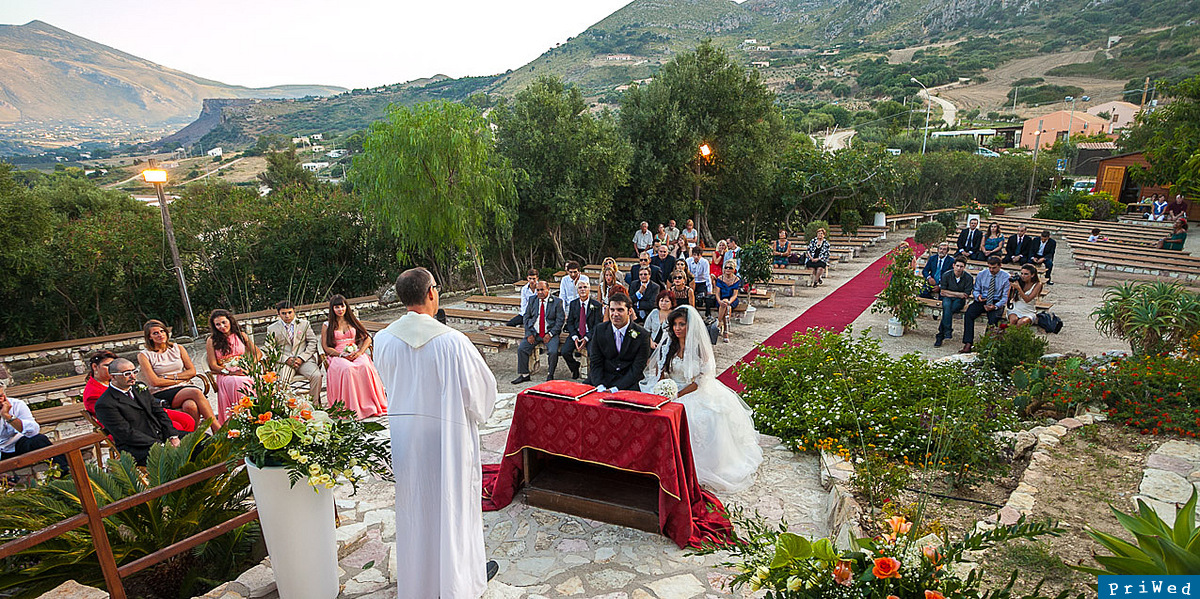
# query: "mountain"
52, 76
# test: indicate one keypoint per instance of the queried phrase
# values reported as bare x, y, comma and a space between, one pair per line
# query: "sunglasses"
133, 372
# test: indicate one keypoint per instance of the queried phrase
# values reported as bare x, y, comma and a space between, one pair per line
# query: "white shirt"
699, 269
9, 435
690, 236
568, 290
731, 255
672, 233
527, 293
643, 239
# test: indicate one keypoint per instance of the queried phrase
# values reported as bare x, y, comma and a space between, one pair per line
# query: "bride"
724, 443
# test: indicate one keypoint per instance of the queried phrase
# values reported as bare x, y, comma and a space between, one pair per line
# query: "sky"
350, 43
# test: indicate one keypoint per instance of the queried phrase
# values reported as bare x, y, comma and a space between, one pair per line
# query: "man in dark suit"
131, 415
618, 351
656, 275
664, 262
644, 293
1016, 249
938, 264
543, 324
583, 317
970, 242
1041, 253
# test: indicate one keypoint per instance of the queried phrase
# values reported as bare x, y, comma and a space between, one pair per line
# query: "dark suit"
934, 268
593, 315
621, 369
1036, 251
970, 243
644, 304
554, 326
1014, 247
632, 280
136, 423
665, 267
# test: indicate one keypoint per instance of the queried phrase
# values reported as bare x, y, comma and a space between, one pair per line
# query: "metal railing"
93, 515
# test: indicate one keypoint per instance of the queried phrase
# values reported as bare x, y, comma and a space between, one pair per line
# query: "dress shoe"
492, 569
524, 378
549, 377
1049, 282
966, 349
937, 342
575, 373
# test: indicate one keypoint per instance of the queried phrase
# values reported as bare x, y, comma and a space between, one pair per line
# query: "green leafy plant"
1154, 318
851, 220
878, 479
1062, 204
1160, 549
754, 264
810, 230
949, 220
1003, 348
899, 298
136, 532
930, 234
1104, 207
1039, 386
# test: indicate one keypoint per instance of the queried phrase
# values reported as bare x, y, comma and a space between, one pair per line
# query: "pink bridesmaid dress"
356, 383
229, 386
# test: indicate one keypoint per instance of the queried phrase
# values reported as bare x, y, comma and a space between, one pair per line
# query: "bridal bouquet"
349, 349
666, 388
234, 364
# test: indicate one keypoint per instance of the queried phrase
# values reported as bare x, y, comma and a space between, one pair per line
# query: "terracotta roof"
1098, 145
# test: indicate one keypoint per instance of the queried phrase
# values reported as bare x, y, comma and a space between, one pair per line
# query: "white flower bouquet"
349, 349
666, 388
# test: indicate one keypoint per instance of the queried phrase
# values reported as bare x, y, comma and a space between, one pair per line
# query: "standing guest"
619, 349
568, 289
682, 290
937, 265
1016, 249
816, 258
661, 237
663, 261
543, 324
298, 350
642, 239
644, 295
440, 390
993, 244
1174, 241
728, 285
956, 286
656, 321
134, 419
583, 316
716, 264
226, 346
166, 368
781, 250
1025, 291
528, 291
644, 263
991, 292
672, 231
1096, 237
1158, 208
1041, 253
690, 234
610, 284
352, 378
97, 383
19, 432
970, 240
733, 253
1178, 209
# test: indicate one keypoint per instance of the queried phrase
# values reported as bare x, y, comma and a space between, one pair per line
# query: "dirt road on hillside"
993, 94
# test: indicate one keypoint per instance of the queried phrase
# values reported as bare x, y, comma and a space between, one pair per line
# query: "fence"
93, 515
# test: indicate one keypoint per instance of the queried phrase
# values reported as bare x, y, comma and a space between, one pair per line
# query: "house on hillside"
317, 136
1054, 126
1120, 114
336, 153
216, 152
314, 166
762, 64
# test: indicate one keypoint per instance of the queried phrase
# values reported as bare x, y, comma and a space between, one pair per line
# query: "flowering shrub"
1003, 348
270, 426
841, 393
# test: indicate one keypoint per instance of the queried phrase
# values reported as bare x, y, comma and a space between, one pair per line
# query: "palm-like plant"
136, 532
1160, 549
1154, 318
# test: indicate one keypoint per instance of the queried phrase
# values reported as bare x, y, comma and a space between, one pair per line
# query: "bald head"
123, 373
413, 287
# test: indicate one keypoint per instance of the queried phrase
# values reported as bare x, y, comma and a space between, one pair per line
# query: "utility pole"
1145, 88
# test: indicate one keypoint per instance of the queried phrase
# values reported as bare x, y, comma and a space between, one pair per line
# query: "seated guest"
672, 232
1174, 241
728, 285
970, 241
993, 243
1177, 209
698, 266
733, 253
781, 250
618, 350
690, 234
663, 261
990, 294
609, 284
656, 275
644, 294
937, 265
1158, 208
1041, 253
1096, 236
227, 344
1023, 298
716, 264
583, 316
166, 368
681, 292
816, 258
1016, 249
955, 289
352, 379
679, 248
567, 288
543, 324
661, 237
527, 291
19, 432
298, 350
97, 383
657, 322
642, 239
133, 418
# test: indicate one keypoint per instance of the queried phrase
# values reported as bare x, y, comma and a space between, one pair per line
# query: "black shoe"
1049, 282
575, 373
937, 342
524, 378
492, 569
549, 377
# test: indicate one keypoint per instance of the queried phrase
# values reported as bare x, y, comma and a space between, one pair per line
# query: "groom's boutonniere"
141, 387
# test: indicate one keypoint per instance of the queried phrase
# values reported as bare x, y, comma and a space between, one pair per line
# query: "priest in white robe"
439, 391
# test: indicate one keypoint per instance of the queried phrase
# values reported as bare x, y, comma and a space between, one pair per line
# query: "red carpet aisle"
837, 310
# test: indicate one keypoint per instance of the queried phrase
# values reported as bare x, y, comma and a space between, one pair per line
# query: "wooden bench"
491, 302
45, 388
475, 317
894, 220
69, 412
482, 342
932, 308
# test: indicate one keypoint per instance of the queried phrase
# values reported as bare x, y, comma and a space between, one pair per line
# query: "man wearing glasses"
656, 275
19, 432
131, 415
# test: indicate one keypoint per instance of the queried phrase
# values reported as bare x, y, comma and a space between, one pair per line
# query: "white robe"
439, 391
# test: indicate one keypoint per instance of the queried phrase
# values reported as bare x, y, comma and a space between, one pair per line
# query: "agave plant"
136, 532
1155, 318
1160, 549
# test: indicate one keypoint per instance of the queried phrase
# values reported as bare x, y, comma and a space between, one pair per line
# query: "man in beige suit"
299, 344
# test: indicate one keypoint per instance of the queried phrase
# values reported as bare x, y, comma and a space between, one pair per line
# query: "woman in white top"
1022, 307
167, 368
690, 234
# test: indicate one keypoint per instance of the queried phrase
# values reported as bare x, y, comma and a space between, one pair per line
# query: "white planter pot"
748, 315
895, 327
298, 526
880, 219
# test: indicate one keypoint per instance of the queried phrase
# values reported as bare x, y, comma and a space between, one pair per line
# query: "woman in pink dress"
352, 378
225, 343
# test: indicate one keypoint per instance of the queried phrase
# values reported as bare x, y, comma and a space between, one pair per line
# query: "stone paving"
1172, 473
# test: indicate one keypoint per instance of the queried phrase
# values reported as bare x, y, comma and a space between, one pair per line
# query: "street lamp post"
1037, 144
158, 177
705, 153
1070, 124
928, 101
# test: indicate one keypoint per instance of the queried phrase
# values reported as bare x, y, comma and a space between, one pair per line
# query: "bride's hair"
677, 313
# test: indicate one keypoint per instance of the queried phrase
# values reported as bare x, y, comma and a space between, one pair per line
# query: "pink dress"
356, 383
229, 386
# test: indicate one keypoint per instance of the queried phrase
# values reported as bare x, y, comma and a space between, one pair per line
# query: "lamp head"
914, 80
705, 151
155, 175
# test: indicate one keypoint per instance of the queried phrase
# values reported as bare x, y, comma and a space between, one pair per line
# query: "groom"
619, 348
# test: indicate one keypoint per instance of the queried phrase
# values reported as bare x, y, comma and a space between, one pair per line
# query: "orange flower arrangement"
843, 574
886, 567
270, 377
264, 417
933, 595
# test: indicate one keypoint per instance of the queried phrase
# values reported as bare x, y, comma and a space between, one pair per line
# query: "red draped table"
650, 442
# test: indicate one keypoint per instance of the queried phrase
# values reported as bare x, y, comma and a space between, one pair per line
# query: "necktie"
582, 319
291, 331
620, 337
542, 319
991, 288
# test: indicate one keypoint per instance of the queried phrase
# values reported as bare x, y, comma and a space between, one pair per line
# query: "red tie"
542, 319
582, 319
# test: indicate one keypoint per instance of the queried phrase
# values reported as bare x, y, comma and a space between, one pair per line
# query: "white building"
314, 166
318, 148
336, 153
763, 48
216, 152
1120, 114
761, 64
317, 136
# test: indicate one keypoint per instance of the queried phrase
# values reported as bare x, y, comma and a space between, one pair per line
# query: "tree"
284, 170
428, 174
812, 184
1170, 137
568, 163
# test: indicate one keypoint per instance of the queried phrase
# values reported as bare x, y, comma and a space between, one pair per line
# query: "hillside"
51, 76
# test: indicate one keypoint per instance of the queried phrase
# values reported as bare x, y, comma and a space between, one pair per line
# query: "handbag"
1049, 322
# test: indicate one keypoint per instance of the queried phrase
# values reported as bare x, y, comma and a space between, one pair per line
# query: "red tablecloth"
649, 442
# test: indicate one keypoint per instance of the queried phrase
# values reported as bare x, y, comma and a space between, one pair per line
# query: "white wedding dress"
724, 443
